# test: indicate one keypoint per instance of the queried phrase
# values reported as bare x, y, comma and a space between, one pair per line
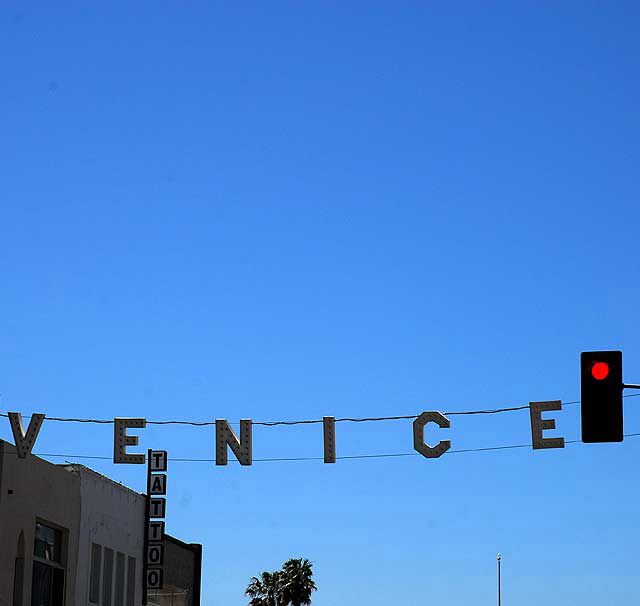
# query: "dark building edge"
197, 551
1, 466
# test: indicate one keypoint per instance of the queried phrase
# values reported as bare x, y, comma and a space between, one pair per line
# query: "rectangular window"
119, 594
41, 585
47, 588
57, 587
48, 573
107, 577
94, 579
48, 543
131, 582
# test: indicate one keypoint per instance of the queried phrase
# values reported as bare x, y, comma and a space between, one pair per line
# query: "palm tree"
266, 590
297, 583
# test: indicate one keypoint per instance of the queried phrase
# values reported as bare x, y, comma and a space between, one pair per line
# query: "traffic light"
601, 396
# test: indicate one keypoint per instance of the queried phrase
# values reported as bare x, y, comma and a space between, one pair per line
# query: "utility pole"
499, 590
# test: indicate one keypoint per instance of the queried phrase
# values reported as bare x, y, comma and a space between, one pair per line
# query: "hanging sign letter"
538, 425
329, 427
225, 437
24, 442
431, 452
121, 440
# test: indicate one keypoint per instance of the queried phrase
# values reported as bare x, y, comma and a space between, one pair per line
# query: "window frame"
107, 584
130, 597
58, 569
95, 572
63, 544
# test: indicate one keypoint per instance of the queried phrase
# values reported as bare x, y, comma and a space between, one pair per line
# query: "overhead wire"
312, 421
344, 457
315, 421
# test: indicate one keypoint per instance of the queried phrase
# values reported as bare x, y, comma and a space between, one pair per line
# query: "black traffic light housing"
601, 396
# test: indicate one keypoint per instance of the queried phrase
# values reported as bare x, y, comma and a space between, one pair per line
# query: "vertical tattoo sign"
156, 510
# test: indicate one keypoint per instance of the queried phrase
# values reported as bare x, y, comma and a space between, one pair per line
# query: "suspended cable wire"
489, 411
344, 457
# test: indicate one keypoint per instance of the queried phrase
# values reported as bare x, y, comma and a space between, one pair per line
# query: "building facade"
73, 537
182, 564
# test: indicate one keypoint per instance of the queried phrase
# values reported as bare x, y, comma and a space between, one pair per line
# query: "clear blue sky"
284, 210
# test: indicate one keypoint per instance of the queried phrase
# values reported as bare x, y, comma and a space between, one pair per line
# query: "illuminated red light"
600, 371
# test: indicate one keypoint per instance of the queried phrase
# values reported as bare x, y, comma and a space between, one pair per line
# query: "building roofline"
190, 546
8, 447
12, 449
89, 471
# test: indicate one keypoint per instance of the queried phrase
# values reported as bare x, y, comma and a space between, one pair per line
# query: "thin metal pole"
146, 530
499, 588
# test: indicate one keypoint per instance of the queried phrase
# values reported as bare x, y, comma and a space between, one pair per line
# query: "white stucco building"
70, 536
110, 541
